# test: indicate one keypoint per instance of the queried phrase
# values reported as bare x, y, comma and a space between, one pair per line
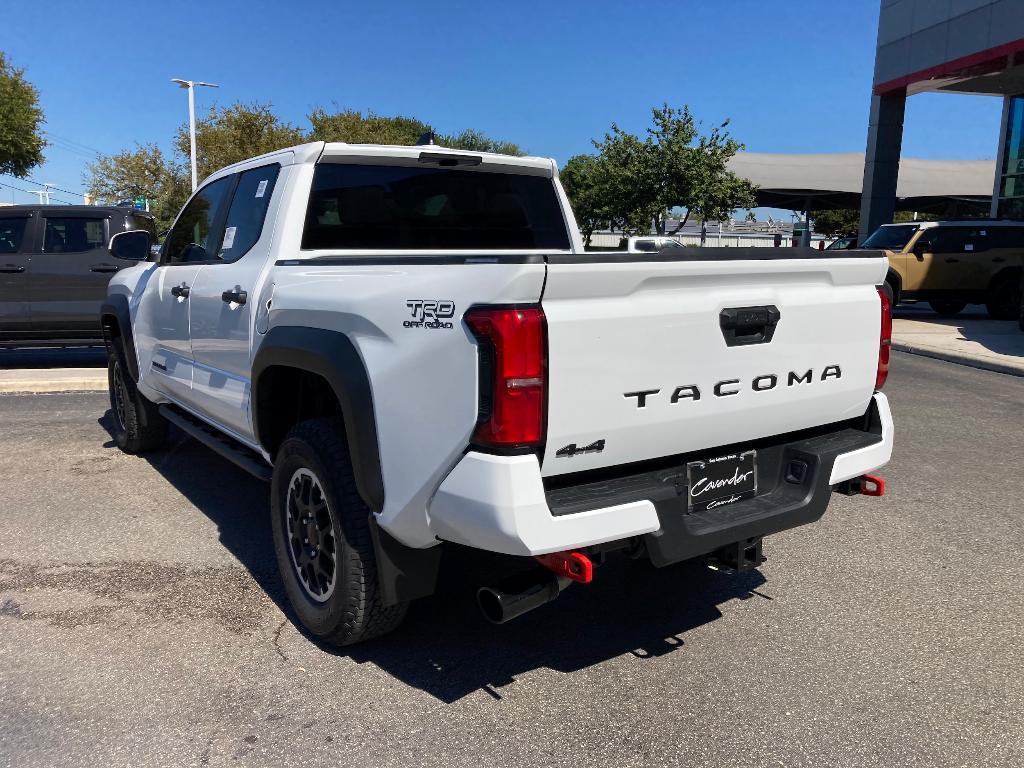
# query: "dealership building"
954, 46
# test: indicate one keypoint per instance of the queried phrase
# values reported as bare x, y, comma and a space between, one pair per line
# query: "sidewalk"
53, 370
53, 380
968, 339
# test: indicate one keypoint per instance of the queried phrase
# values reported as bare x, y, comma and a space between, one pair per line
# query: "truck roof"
320, 151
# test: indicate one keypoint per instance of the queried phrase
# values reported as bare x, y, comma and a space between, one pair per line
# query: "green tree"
142, 172
472, 140
21, 120
676, 168
231, 134
841, 222
353, 127
585, 179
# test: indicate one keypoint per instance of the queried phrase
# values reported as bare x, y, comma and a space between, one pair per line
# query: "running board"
217, 441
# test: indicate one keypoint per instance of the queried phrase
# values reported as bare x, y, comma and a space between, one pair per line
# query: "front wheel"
948, 308
322, 538
138, 425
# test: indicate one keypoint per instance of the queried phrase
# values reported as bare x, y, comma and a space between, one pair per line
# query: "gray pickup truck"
55, 264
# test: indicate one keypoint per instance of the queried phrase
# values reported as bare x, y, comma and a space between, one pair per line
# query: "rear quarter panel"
424, 379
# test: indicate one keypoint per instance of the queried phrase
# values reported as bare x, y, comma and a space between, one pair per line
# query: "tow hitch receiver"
572, 565
742, 556
865, 485
872, 486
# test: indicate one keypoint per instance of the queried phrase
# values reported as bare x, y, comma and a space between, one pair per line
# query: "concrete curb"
959, 358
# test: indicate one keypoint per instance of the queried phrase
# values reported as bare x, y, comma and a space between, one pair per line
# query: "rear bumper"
501, 504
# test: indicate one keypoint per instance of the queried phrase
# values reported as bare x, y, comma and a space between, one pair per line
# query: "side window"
952, 240
1007, 237
244, 223
12, 233
73, 235
193, 232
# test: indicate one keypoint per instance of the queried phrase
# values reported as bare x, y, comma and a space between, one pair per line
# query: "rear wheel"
948, 308
322, 538
138, 425
1003, 301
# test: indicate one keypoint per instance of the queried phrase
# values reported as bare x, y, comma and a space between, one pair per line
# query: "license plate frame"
721, 481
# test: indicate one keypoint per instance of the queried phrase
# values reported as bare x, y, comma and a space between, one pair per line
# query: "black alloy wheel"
311, 542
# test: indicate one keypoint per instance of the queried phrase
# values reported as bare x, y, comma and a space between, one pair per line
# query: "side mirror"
131, 246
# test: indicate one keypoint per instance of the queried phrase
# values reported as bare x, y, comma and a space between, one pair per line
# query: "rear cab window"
402, 207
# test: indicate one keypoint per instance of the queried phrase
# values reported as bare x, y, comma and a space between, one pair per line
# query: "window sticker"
229, 238
261, 188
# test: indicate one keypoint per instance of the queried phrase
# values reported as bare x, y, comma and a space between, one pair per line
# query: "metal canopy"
834, 180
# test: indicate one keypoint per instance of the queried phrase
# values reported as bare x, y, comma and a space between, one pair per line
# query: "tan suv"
951, 264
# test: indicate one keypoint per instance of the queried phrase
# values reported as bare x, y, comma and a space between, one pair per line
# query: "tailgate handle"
749, 325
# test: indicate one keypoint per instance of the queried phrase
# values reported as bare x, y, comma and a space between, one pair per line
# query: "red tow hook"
572, 565
872, 486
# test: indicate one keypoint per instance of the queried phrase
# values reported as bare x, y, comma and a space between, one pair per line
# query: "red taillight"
885, 340
512, 342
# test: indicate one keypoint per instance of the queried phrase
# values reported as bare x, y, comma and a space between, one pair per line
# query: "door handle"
952, 261
103, 268
234, 296
11, 269
998, 260
180, 291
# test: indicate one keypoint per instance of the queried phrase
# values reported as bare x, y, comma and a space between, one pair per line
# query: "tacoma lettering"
729, 387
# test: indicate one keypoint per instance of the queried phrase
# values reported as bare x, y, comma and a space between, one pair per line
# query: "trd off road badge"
430, 313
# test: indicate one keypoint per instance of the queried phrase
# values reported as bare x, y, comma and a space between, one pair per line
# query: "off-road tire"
948, 308
1004, 298
354, 611
137, 423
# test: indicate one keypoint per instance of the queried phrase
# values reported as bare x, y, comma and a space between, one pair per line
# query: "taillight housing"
512, 345
885, 340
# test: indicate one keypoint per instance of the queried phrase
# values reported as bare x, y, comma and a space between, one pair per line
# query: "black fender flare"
333, 356
892, 276
115, 307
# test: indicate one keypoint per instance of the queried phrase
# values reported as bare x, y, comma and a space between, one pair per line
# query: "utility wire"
73, 142
51, 186
30, 192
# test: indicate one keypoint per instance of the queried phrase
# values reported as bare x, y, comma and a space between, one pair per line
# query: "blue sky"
793, 75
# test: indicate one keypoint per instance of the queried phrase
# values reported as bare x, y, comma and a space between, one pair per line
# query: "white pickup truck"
412, 346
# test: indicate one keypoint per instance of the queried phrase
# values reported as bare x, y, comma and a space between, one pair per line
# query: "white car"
412, 346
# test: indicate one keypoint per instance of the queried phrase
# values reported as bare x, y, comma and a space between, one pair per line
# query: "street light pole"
191, 86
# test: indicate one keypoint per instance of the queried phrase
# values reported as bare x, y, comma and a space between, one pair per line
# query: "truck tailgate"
638, 357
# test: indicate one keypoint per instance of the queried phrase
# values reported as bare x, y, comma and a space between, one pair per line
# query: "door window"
962, 240
12, 232
244, 223
194, 234
73, 235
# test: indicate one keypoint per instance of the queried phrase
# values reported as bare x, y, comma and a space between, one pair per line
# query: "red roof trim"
982, 62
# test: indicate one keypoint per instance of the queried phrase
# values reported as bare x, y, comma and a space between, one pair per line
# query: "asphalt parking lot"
142, 622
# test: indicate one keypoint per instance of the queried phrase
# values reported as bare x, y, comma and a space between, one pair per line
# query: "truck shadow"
445, 647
